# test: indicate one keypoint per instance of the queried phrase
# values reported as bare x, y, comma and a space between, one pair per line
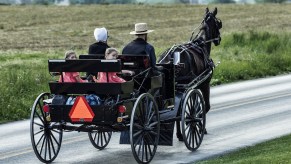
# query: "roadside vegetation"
274, 151
255, 41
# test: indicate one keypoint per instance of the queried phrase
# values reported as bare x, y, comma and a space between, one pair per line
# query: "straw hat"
140, 28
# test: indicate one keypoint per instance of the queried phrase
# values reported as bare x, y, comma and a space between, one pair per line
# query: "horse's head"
213, 25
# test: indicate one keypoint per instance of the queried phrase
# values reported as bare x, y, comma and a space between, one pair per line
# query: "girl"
71, 76
111, 54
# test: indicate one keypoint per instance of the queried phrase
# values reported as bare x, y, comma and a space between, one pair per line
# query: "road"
242, 114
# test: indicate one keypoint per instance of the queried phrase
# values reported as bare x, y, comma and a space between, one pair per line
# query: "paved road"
242, 114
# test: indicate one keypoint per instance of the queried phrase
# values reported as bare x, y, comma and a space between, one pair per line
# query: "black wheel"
99, 139
144, 128
193, 119
46, 140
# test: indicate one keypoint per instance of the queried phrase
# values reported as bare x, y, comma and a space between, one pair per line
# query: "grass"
255, 41
274, 151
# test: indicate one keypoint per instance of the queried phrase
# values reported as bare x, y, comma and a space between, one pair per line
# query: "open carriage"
144, 105
144, 108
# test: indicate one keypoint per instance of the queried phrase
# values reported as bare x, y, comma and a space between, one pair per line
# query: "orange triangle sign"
81, 111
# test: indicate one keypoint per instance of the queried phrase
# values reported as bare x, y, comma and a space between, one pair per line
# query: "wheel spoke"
137, 126
137, 133
41, 119
153, 124
138, 140
53, 146
39, 140
38, 132
53, 136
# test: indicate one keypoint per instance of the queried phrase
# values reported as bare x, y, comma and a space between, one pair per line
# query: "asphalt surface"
242, 114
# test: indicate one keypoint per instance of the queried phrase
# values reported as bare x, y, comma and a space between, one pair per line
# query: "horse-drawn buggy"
144, 108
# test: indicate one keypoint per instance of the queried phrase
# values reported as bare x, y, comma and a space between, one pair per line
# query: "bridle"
205, 25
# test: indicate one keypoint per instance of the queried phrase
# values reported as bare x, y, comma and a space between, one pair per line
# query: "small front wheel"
144, 128
193, 119
46, 137
99, 139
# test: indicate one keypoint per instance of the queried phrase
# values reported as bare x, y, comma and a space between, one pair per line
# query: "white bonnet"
100, 34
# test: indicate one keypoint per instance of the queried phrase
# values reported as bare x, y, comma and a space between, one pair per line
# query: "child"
110, 53
71, 76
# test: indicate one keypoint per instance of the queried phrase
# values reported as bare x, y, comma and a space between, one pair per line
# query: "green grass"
249, 55
274, 151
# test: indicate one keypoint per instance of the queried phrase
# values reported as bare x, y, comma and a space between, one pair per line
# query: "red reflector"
46, 108
81, 111
121, 108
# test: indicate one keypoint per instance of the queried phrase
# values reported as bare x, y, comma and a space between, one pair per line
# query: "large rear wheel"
193, 119
46, 139
144, 128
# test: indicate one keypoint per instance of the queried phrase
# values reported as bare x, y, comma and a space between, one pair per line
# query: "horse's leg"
205, 89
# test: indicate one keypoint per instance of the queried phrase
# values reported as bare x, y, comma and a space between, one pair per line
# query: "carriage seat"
86, 65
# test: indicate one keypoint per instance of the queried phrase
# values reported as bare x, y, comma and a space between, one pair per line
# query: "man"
101, 36
140, 44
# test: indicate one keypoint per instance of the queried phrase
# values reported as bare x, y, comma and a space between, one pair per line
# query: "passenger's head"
111, 53
101, 34
70, 55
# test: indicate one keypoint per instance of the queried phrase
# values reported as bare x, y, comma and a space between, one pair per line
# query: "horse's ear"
215, 11
206, 10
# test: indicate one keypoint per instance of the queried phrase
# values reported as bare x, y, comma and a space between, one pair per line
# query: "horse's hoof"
180, 137
205, 131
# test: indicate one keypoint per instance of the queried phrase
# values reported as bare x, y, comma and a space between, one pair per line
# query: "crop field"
256, 41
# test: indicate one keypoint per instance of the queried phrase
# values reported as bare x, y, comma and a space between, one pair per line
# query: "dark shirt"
140, 46
98, 48
94, 49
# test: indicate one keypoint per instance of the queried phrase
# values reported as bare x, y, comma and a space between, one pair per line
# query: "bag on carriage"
59, 100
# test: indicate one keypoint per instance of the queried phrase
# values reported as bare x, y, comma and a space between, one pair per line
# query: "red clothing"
69, 77
113, 78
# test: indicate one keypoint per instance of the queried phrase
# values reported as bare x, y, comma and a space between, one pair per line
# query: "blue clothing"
150, 50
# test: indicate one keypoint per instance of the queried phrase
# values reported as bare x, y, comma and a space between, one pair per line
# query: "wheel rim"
46, 140
144, 128
99, 139
193, 119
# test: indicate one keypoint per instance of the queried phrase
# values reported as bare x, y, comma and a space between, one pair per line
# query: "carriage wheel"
193, 119
99, 139
46, 141
144, 128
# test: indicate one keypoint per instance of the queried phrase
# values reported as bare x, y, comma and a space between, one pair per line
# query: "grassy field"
274, 151
255, 41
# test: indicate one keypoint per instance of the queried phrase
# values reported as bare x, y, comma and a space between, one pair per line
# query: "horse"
195, 55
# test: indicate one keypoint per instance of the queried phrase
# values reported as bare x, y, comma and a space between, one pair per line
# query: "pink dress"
113, 78
69, 77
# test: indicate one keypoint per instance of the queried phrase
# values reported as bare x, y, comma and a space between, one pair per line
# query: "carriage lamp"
46, 110
121, 110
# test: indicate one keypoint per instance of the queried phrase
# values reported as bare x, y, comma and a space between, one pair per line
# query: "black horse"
196, 54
